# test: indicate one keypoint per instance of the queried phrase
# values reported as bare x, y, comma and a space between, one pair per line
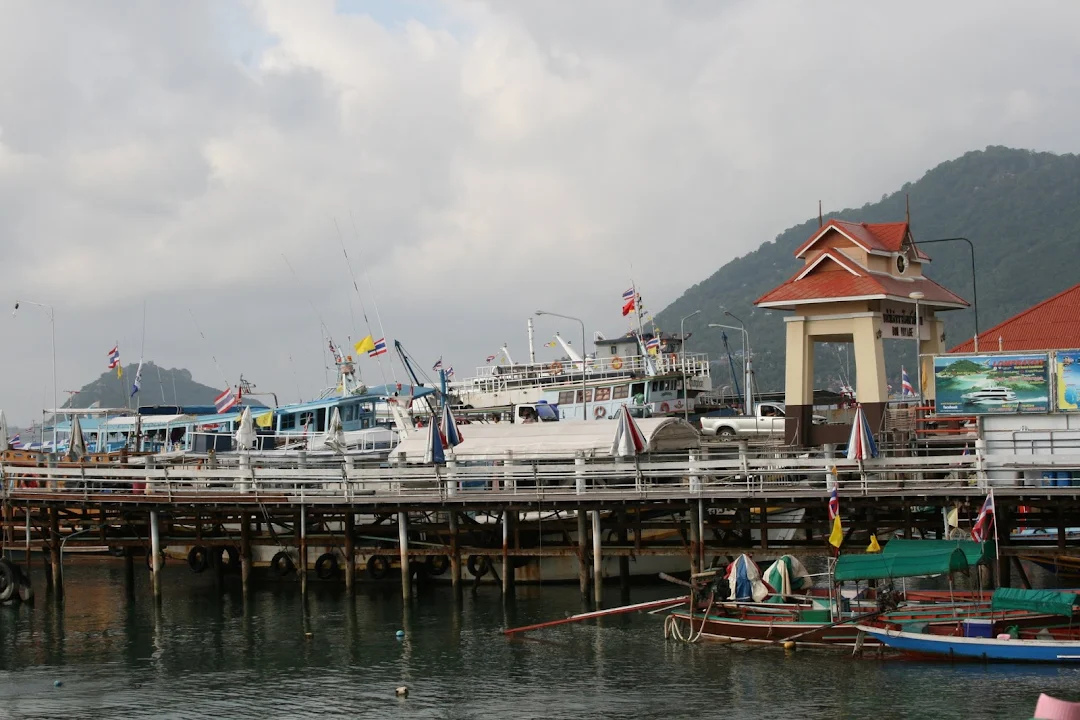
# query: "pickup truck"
767, 422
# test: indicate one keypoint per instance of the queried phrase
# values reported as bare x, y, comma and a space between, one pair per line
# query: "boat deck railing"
785, 475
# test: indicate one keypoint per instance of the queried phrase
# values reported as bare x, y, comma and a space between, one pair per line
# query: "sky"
208, 160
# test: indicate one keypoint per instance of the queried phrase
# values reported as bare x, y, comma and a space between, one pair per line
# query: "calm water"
209, 655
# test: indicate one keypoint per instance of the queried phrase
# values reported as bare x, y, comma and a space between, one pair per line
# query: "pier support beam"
597, 561
455, 555
583, 555
155, 557
507, 561
403, 542
301, 544
695, 540
350, 554
245, 552
54, 554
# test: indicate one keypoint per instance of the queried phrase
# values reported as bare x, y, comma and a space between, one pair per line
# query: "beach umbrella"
629, 441
335, 433
245, 432
3, 433
433, 452
450, 431
861, 444
77, 445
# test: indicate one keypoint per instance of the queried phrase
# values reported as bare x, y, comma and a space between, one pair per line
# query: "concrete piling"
403, 542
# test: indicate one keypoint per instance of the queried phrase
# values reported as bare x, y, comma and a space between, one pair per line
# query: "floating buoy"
400, 633
308, 635
57, 683
789, 645
402, 691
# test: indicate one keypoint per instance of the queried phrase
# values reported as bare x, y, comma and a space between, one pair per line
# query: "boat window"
614, 350
603, 394
620, 392
566, 397
288, 422
588, 395
655, 385
320, 419
307, 419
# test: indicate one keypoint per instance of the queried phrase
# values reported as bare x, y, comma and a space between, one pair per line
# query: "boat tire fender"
437, 564
282, 564
229, 557
9, 581
326, 566
197, 559
378, 567
479, 565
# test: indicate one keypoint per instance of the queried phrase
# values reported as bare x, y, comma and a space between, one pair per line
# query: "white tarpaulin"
245, 432
552, 440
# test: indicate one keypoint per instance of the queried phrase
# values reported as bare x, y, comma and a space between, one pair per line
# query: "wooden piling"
597, 561
455, 555
695, 553
301, 544
507, 561
245, 552
54, 553
403, 542
583, 559
155, 559
350, 554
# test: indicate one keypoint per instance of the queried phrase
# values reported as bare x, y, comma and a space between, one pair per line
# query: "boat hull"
983, 649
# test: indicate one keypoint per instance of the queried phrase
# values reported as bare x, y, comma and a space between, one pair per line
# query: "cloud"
496, 157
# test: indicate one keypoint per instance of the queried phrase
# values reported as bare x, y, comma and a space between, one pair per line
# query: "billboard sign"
992, 384
1067, 369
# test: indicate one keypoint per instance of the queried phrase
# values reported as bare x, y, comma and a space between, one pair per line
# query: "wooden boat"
1046, 634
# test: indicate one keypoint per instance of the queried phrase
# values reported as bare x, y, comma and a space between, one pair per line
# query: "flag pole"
363, 308
375, 304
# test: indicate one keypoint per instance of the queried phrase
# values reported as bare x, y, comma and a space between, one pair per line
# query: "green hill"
160, 386
1019, 208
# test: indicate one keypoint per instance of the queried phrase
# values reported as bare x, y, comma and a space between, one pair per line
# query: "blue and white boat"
1048, 635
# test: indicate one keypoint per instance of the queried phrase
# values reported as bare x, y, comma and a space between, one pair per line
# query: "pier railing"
781, 475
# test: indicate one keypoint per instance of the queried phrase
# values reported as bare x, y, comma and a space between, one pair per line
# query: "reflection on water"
204, 654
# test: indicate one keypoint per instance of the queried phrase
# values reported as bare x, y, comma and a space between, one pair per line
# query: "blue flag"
138, 380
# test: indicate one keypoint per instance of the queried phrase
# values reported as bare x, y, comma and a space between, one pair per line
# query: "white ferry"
990, 395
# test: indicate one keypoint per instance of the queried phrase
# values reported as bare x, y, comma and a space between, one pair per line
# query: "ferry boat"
663, 380
990, 395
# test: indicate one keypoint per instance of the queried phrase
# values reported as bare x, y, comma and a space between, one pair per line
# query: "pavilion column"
799, 381
872, 389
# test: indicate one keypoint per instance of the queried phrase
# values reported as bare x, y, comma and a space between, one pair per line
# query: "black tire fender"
9, 580
197, 559
326, 566
479, 565
282, 564
437, 564
378, 567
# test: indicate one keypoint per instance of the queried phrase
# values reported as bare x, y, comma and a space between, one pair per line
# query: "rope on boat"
671, 625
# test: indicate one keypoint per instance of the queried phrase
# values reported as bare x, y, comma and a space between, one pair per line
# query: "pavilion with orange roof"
859, 283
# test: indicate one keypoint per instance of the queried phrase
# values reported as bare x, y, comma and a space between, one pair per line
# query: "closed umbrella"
861, 444
245, 434
629, 441
335, 433
77, 445
433, 453
3, 433
450, 429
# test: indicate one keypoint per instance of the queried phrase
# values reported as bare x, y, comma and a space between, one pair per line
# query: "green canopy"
931, 561
1050, 602
975, 552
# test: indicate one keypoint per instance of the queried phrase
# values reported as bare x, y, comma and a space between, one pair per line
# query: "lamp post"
748, 366
682, 339
584, 397
746, 343
917, 296
974, 286
52, 325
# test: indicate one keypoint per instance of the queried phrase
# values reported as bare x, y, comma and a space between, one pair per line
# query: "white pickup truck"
767, 422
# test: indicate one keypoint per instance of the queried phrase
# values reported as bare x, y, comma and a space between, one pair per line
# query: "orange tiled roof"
1051, 325
876, 237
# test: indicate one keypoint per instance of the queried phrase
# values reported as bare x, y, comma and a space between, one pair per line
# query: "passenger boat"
1048, 634
990, 395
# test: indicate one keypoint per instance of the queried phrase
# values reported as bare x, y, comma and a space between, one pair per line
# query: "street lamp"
746, 343
584, 397
52, 324
917, 296
747, 363
974, 287
682, 339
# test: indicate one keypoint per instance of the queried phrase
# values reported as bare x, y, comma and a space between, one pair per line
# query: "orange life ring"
664, 407
616, 363
600, 412
555, 368
674, 358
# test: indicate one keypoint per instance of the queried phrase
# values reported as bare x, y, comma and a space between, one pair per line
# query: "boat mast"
532, 349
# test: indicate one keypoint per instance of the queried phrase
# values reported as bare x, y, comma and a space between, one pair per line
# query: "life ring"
664, 407
479, 565
674, 358
282, 564
437, 564
616, 363
378, 567
228, 557
600, 412
555, 368
197, 559
326, 566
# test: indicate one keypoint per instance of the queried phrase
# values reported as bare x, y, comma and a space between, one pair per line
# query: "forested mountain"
1021, 209
160, 386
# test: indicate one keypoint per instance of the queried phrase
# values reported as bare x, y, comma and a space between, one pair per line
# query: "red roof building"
1053, 324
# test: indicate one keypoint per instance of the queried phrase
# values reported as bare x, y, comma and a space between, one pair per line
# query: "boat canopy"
933, 561
1050, 602
551, 440
152, 422
975, 552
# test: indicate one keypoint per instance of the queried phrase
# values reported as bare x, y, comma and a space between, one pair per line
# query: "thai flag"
16, 441
225, 401
490, 358
449, 372
380, 348
654, 343
906, 387
834, 504
114, 357
980, 532
437, 366
628, 299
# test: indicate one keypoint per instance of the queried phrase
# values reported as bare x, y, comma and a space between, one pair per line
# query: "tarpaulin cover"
900, 564
1039, 601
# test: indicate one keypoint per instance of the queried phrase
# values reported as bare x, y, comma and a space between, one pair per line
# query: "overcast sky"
497, 158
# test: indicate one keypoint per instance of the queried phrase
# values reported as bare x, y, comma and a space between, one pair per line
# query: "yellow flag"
119, 372
836, 537
265, 420
953, 518
873, 547
365, 345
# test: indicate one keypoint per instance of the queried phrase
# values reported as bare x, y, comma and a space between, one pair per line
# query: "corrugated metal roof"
1052, 324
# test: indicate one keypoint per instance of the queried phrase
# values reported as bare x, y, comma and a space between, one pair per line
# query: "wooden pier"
449, 519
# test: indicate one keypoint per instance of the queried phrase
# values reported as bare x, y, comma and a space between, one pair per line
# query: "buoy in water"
402, 691
400, 633
789, 645
57, 683
308, 635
